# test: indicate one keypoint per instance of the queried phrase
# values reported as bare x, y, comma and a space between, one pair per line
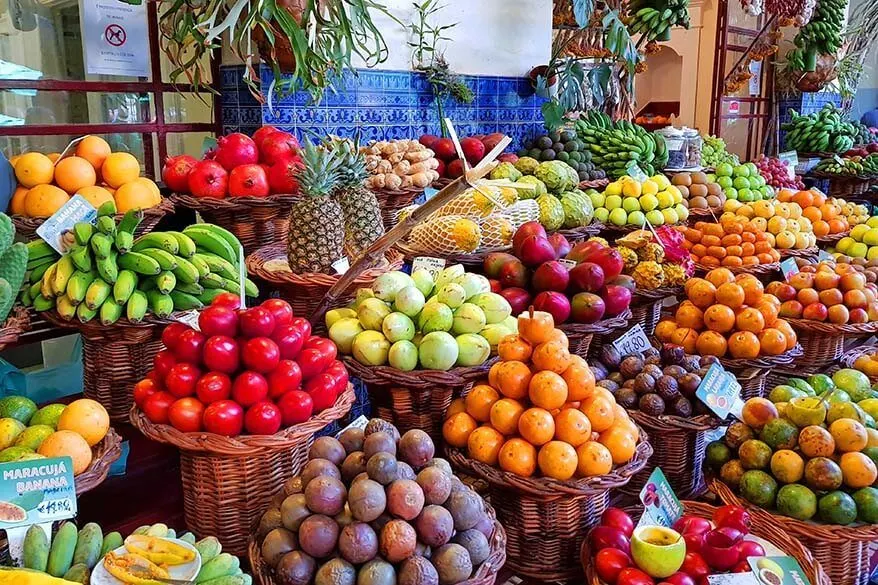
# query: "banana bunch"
853, 166
822, 35
108, 274
823, 131
618, 146
654, 18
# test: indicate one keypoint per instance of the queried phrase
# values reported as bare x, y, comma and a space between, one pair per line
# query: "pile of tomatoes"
253, 370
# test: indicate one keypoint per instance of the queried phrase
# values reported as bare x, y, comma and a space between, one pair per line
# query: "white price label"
636, 173
432, 265
824, 255
358, 423
791, 158
632, 341
57, 230
189, 318
568, 264
341, 265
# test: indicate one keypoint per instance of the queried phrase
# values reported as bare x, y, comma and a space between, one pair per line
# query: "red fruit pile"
239, 166
254, 370
776, 173
474, 150
589, 291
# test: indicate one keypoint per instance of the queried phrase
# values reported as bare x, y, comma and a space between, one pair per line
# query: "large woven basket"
305, 291
392, 201
823, 343
760, 526
807, 253
256, 221
546, 520
263, 574
752, 373
102, 457
582, 335
832, 239
581, 233
646, 306
756, 270
16, 323
114, 358
416, 399
847, 360
473, 260
229, 481
844, 551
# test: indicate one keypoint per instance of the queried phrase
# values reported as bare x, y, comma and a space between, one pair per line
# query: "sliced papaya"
159, 550
134, 569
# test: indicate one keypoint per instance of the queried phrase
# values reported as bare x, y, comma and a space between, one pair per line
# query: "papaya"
112, 541
63, 547
78, 573
36, 549
158, 550
88, 545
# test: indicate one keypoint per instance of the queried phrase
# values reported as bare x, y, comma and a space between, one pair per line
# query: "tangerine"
536, 426
688, 315
484, 445
594, 459
34, 168
600, 412
579, 378
702, 294
119, 168
572, 426
551, 356
16, 205
457, 429
479, 402
665, 329
751, 319
94, 149
711, 343
686, 338
744, 345
719, 318
73, 173
512, 379
44, 200
557, 460
505, 414
134, 195
547, 390
731, 295
620, 443
519, 457
772, 342
95, 195
720, 276
788, 332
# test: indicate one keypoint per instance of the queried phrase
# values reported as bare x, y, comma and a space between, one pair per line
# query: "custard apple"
539, 188
578, 209
551, 212
506, 170
557, 175
527, 165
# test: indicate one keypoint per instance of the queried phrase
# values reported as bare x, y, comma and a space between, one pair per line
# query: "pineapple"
316, 233
362, 215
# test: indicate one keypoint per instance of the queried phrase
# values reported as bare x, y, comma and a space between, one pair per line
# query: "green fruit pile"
560, 203
822, 35
563, 145
853, 166
823, 131
714, 153
619, 146
741, 182
13, 264
107, 273
654, 18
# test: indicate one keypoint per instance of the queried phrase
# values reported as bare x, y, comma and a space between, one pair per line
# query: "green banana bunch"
825, 131
853, 166
617, 146
654, 18
821, 35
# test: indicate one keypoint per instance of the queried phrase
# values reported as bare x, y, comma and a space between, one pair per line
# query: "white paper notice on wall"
115, 38
755, 77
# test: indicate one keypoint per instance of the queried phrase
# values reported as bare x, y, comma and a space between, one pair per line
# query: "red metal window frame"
156, 86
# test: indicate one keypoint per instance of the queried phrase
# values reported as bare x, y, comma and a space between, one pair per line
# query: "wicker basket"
546, 520
582, 233
393, 201
114, 358
760, 526
594, 184
305, 291
583, 335
416, 399
16, 323
474, 260
263, 574
752, 373
756, 270
646, 306
806, 253
256, 221
705, 214
848, 358
27, 226
103, 455
823, 343
843, 550
832, 239
229, 481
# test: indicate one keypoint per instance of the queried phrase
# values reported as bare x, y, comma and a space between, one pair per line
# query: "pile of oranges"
828, 216
46, 182
785, 226
539, 412
728, 315
734, 242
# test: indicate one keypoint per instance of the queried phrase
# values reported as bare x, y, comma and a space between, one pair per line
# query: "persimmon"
731, 295
479, 402
594, 459
750, 319
580, 379
688, 315
519, 457
505, 414
484, 445
558, 460
702, 294
535, 326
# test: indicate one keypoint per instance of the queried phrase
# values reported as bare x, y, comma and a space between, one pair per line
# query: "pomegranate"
248, 181
282, 175
262, 133
278, 146
208, 178
235, 150
175, 173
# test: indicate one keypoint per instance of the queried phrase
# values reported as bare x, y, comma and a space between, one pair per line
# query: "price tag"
189, 318
660, 504
432, 265
568, 264
784, 570
341, 265
791, 159
838, 159
57, 231
358, 423
636, 173
632, 341
789, 267
429, 193
733, 579
824, 255
720, 391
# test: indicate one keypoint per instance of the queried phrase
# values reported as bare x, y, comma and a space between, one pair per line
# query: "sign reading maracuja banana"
36, 491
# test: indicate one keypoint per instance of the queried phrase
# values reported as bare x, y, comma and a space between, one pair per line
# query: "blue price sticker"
429, 193
57, 231
720, 391
660, 504
788, 268
41, 490
824, 255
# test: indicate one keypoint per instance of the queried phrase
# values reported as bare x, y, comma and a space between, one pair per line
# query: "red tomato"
285, 377
695, 566
143, 390
289, 339
260, 354
159, 382
249, 388
323, 391
225, 417
163, 362
212, 387
185, 415
189, 345
609, 562
295, 407
303, 325
694, 541
338, 371
733, 516
282, 311
171, 333
256, 322
218, 320
263, 418
632, 576
156, 407
221, 354
618, 518
688, 524
226, 299
680, 578
316, 357
181, 380
749, 548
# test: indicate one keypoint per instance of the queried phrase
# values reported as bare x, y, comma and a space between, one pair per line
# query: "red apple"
492, 140
554, 303
551, 276
587, 277
428, 140
817, 312
618, 518
602, 537
454, 169
587, 308
791, 309
859, 316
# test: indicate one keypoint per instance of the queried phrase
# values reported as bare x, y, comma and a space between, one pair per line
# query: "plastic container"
692, 147
676, 143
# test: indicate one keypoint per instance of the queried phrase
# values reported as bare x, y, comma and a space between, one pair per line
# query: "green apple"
845, 243
858, 231
655, 217
613, 202
601, 214
648, 202
870, 238
636, 218
597, 198
618, 216
658, 551
670, 216
630, 204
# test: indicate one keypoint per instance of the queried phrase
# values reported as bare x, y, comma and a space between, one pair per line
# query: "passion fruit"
475, 543
382, 467
336, 572
352, 440
435, 483
328, 448
434, 526
277, 543
293, 511
397, 541
325, 495
405, 499
366, 500
358, 543
379, 442
453, 564
416, 448
295, 568
417, 570
318, 535
317, 467
354, 464
466, 507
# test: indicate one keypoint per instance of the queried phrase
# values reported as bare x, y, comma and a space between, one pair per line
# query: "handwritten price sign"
632, 341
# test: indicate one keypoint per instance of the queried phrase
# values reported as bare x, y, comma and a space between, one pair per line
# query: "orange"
34, 169
551, 356
858, 470
494, 374
16, 205
620, 443
94, 149
484, 445
730, 295
479, 402
512, 379
768, 309
600, 412
744, 344
152, 187
536, 326
519, 457
719, 318
702, 294
133, 195
536, 426
750, 319
457, 429
572, 426
686, 338
547, 390
594, 459
74, 173
54, 156
664, 329
120, 168
711, 343
688, 315
720, 276
788, 332
86, 417
849, 435
95, 195
560, 337
557, 460
579, 378
752, 288
772, 342
820, 228
44, 200
457, 405
804, 199
514, 348
67, 443
505, 414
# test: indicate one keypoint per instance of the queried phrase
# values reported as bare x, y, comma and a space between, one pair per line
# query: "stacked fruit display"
628, 201
851, 394
561, 203
694, 549
13, 266
255, 370
374, 507
539, 410
741, 182
564, 146
45, 182
108, 274
734, 242
474, 149
785, 225
849, 166
823, 131
862, 242
713, 153
867, 362
413, 321
55, 430
828, 216
400, 164
776, 173
698, 191
838, 293
729, 315
655, 260
618, 145
534, 274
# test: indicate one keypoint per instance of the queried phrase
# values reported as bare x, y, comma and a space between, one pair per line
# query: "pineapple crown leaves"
352, 166
320, 171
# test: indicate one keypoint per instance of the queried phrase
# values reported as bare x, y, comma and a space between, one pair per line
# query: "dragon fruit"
672, 241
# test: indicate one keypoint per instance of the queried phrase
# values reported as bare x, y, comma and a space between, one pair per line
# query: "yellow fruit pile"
45, 182
783, 222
